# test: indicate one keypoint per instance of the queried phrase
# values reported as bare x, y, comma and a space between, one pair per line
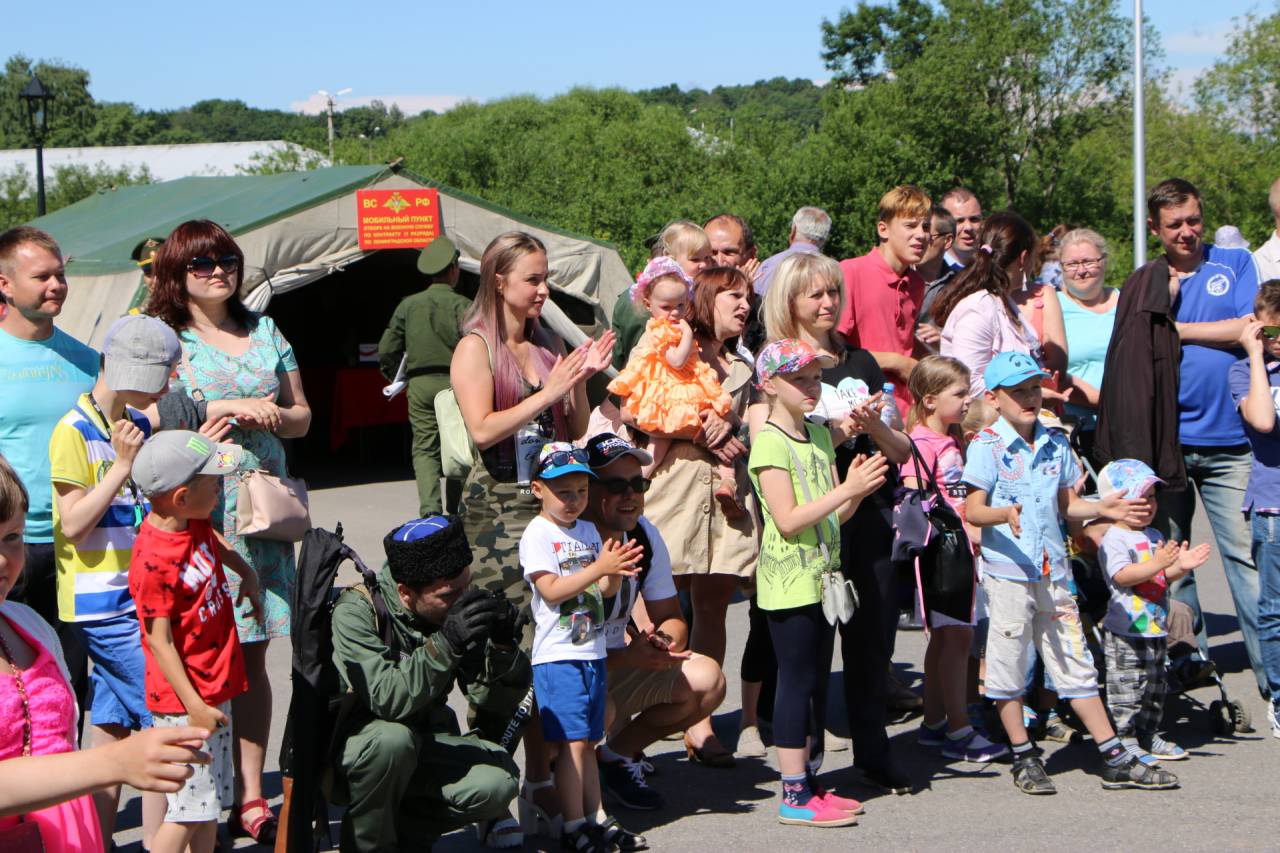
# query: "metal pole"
330, 98
1139, 146
40, 177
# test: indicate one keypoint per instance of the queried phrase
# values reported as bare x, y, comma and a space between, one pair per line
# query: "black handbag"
929, 533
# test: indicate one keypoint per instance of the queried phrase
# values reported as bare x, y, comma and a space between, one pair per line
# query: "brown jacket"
1138, 402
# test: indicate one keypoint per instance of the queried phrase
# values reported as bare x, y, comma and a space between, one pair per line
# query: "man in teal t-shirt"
43, 371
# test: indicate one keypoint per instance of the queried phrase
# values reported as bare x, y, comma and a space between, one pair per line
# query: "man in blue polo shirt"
1212, 290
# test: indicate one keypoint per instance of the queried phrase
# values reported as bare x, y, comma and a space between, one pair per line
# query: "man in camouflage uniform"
406, 772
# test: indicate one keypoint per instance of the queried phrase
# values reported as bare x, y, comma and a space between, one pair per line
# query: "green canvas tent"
297, 228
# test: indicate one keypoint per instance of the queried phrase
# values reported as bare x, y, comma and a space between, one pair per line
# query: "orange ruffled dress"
663, 398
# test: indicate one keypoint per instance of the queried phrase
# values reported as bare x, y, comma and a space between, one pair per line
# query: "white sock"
600, 818
571, 825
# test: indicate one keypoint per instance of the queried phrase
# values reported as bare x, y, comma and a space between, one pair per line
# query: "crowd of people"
948, 425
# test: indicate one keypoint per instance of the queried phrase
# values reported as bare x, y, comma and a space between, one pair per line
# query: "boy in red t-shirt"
194, 666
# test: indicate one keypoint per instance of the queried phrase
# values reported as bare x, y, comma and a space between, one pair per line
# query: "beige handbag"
271, 507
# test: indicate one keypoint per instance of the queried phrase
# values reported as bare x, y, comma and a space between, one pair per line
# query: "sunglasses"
203, 267
564, 457
1271, 332
618, 485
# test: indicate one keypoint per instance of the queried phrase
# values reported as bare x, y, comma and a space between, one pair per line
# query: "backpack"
319, 708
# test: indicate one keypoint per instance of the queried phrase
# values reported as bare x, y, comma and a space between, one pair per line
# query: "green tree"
1244, 87
66, 185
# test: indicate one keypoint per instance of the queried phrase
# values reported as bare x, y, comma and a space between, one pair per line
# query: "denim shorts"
571, 698
117, 681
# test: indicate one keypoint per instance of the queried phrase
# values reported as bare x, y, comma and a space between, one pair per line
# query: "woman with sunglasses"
1089, 312
243, 366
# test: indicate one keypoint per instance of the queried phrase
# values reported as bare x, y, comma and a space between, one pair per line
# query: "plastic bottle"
890, 411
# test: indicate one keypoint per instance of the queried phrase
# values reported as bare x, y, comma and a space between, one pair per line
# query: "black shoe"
625, 785
585, 839
1134, 774
613, 834
1030, 776
887, 779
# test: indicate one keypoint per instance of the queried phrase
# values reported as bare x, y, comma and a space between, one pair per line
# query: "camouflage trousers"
494, 516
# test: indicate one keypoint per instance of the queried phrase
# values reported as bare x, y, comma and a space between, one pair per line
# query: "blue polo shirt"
1223, 288
1263, 493
1010, 471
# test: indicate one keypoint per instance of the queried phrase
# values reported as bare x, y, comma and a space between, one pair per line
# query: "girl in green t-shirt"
792, 467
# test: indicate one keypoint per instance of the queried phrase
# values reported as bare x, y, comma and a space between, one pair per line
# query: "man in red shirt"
883, 292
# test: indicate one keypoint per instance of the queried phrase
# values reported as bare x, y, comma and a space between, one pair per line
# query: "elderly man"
1268, 255
732, 243
656, 686
965, 208
810, 228
1166, 400
405, 771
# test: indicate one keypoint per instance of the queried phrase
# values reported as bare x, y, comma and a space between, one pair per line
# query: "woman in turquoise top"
1089, 313
245, 369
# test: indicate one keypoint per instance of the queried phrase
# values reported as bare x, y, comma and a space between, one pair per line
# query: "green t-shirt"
790, 570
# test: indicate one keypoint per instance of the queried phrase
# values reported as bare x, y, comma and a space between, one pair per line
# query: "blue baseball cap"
1010, 368
558, 458
1126, 477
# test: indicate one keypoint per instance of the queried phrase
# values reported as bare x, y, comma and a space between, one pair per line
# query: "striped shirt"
93, 576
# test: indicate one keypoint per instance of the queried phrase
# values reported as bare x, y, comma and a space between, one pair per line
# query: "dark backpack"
319, 707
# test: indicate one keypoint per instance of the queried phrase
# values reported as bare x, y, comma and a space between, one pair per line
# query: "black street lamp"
36, 98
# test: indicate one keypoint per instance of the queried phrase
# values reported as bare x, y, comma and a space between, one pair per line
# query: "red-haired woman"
245, 369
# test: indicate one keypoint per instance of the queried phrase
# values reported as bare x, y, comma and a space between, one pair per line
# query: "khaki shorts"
634, 691
1044, 615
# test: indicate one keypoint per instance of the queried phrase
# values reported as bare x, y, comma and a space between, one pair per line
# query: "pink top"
880, 311
979, 328
69, 827
942, 454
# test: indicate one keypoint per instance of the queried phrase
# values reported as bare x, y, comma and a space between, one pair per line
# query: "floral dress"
259, 372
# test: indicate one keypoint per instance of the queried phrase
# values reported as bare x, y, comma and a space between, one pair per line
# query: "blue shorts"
117, 681
571, 697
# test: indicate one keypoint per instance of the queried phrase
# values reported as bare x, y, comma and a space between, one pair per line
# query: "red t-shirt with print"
179, 575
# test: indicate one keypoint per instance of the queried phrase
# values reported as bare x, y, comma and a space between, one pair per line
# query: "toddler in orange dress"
666, 386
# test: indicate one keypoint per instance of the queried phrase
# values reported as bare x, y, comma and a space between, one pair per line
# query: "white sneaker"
1273, 720
750, 745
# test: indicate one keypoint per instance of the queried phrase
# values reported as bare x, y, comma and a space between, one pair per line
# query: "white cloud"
1204, 41
408, 104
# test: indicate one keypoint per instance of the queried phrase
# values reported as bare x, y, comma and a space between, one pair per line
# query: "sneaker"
1134, 774
816, 812
1030, 776
928, 735
750, 744
1274, 719
844, 804
649, 768
973, 747
624, 784
618, 838
1162, 749
887, 779
832, 742
1056, 729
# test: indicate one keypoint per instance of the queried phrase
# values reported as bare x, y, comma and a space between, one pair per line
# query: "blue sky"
277, 53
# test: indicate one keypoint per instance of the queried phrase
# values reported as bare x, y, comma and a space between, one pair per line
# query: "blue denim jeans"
1220, 475
1266, 556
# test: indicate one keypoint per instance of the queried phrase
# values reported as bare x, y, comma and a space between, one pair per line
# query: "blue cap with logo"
1010, 368
558, 458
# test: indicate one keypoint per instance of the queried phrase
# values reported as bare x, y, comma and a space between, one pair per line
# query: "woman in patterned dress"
241, 364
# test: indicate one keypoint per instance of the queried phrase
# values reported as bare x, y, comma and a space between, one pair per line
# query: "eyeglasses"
618, 485
203, 267
1271, 332
563, 457
1083, 264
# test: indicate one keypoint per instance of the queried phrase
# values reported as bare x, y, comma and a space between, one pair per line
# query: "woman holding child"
242, 365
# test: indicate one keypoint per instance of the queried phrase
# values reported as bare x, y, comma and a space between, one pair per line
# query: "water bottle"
890, 411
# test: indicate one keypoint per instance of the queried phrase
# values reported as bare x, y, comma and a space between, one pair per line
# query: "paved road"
1227, 799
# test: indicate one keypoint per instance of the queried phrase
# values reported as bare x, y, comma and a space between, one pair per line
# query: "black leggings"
803, 642
759, 664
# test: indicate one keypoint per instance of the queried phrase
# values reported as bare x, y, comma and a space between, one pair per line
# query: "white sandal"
501, 834
534, 817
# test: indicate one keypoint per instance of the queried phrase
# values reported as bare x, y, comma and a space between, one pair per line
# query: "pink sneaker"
844, 804
816, 812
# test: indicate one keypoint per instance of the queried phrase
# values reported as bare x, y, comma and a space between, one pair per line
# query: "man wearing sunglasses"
656, 685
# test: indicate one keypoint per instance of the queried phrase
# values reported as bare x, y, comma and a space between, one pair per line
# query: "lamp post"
36, 98
330, 102
1139, 146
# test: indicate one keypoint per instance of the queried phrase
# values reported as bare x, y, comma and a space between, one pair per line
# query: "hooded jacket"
1138, 401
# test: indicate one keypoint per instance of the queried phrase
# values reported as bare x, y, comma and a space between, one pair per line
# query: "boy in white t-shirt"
571, 572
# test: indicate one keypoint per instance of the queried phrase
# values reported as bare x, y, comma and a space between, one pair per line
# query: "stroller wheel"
1240, 719
1221, 718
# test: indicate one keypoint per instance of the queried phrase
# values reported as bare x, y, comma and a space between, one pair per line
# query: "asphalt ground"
1227, 799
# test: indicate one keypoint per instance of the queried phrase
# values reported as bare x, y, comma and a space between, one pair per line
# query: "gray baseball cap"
140, 353
172, 457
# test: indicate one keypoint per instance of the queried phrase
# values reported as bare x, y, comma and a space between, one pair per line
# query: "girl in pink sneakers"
792, 467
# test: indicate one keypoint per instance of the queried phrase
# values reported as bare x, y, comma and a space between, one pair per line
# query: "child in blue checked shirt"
1020, 477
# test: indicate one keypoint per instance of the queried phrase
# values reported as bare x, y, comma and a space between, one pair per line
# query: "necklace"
22, 695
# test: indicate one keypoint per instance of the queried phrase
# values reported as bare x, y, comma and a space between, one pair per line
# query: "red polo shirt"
880, 310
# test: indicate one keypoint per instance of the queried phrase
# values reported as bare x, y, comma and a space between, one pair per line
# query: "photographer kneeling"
655, 685
410, 776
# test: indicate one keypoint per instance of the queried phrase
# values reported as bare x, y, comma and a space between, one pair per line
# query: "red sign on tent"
397, 219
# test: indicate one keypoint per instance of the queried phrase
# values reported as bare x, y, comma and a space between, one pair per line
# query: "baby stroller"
1187, 668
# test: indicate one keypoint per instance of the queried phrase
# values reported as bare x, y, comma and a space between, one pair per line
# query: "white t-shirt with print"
574, 629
